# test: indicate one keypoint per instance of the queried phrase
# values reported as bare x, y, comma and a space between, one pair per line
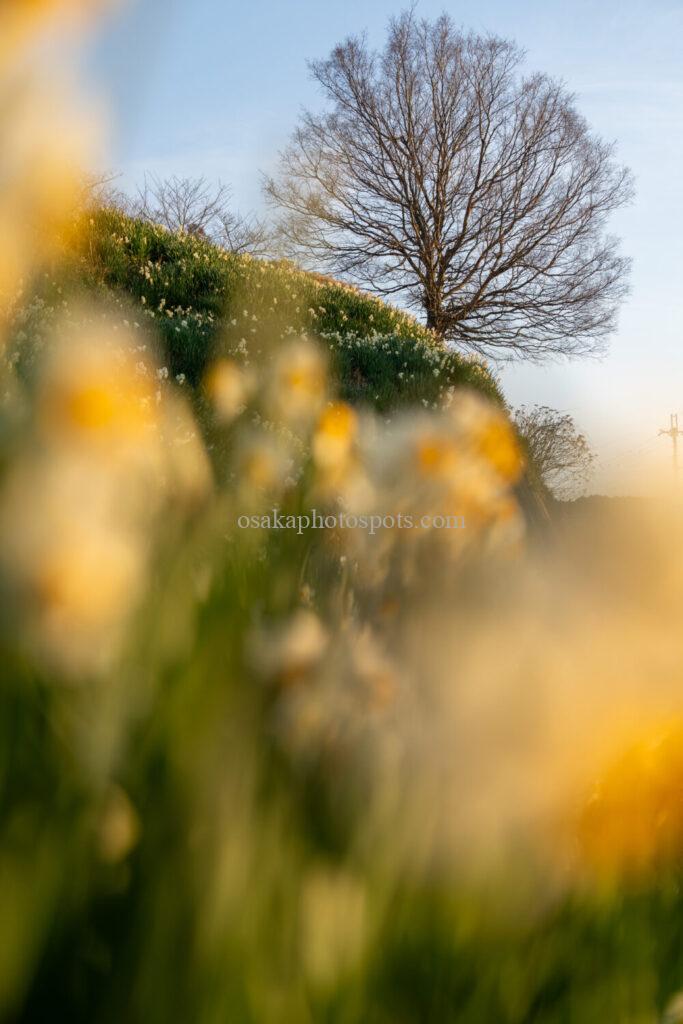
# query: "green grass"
202, 300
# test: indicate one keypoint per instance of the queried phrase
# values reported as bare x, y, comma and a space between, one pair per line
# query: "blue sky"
214, 87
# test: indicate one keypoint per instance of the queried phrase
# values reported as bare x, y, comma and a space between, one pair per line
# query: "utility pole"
673, 432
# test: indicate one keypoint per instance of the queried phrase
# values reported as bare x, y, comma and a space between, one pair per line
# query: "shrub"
390, 371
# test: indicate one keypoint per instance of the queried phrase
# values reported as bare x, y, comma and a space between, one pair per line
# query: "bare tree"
559, 453
194, 206
441, 173
98, 189
248, 235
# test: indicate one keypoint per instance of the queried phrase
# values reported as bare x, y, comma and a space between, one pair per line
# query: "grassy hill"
203, 300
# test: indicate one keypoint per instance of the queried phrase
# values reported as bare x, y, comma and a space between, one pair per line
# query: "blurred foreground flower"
119, 826
334, 436
97, 393
674, 1010
487, 434
633, 819
298, 382
21, 19
264, 462
447, 474
228, 387
286, 653
45, 146
109, 448
74, 569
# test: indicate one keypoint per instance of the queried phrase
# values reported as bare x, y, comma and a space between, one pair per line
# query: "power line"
620, 456
630, 435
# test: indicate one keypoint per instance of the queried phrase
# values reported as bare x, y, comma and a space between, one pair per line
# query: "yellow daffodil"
227, 387
335, 434
633, 819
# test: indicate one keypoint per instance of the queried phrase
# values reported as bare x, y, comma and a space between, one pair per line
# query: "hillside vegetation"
205, 301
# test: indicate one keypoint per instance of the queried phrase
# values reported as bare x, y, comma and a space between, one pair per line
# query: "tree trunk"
435, 318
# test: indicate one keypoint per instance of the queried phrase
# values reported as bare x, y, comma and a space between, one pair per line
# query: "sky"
215, 87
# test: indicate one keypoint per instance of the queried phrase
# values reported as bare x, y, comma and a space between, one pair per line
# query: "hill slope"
203, 300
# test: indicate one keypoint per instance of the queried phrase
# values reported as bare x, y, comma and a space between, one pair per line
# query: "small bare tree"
98, 189
248, 235
441, 173
194, 206
559, 453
